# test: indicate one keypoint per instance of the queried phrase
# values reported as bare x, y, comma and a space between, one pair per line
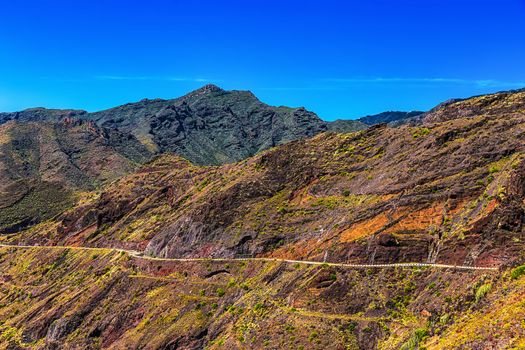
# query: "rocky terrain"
40, 115
57, 298
45, 167
211, 126
447, 187
58, 154
384, 194
208, 126
392, 118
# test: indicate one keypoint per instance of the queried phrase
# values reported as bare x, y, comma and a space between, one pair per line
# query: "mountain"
498, 104
391, 117
411, 188
346, 125
449, 190
45, 166
40, 115
51, 156
211, 126
208, 126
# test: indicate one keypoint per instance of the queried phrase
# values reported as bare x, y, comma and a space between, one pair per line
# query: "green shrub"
493, 169
281, 210
420, 132
231, 282
352, 326
313, 336
258, 306
414, 342
289, 328
518, 272
444, 319
482, 291
8, 334
220, 292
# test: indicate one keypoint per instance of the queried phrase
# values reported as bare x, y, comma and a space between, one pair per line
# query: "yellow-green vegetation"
420, 132
448, 191
415, 340
44, 201
496, 321
256, 304
482, 291
518, 272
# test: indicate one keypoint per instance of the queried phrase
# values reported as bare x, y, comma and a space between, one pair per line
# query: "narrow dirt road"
140, 255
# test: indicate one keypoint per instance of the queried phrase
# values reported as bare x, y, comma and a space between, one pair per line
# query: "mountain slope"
451, 190
106, 299
48, 155
343, 125
501, 103
40, 115
441, 192
208, 126
44, 165
391, 117
211, 125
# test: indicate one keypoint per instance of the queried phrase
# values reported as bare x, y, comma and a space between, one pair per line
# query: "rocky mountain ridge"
208, 126
60, 153
413, 193
448, 187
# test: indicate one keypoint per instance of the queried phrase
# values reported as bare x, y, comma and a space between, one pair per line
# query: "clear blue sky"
341, 59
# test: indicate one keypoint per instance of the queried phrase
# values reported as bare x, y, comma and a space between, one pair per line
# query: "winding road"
140, 255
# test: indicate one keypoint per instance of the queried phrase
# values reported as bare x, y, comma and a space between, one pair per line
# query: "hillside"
448, 190
392, 117
45, 167
52, 155
40, 115
79, 299
431, 192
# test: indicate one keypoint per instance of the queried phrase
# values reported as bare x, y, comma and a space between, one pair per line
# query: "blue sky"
341, 59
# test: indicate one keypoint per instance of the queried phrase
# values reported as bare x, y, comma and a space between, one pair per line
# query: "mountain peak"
204, 90
208, 88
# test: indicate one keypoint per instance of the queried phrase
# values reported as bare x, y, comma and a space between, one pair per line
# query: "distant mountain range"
208, 126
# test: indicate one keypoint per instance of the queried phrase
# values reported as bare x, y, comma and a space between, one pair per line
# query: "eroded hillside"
88, 299
58, 154
442, 192
45, 167
450, 190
